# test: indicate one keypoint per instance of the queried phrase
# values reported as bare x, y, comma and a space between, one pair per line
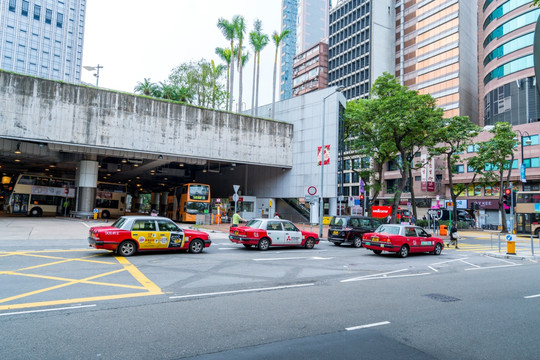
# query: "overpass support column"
163, 203
87, 176
333, 207
154, 201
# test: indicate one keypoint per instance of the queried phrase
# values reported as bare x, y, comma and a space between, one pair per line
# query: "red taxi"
402, 239
130, 234
263, 233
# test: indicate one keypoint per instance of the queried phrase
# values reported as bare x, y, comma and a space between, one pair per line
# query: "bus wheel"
105, 214
36, 212
537, 232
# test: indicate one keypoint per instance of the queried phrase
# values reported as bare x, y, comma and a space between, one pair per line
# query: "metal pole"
499, 236
532, 245
321, 203
511, 208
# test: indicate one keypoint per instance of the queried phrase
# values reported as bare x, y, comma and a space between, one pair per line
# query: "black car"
348, 230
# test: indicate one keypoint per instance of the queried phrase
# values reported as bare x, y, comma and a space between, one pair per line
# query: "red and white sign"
326, 155
312, 190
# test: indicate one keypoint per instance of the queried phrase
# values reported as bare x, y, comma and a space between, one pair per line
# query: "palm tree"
215, 73
145, 87
229, 31
225, 55
277, 40
259, 41
240, 29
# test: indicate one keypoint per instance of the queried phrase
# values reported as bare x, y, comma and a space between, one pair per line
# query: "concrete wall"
48, 111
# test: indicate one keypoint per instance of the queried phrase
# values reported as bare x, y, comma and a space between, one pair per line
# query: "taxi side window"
167, 226
410, 232
364, 222
274, 226
144, 225
289, 227
354, 222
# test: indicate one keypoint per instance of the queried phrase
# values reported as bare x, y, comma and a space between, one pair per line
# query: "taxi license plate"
236, 233
334, 232
375, 238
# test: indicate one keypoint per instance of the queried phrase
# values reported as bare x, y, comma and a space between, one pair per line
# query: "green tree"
452, 140
405, 119
258, 41
215, 74
278, 38
225, 55
494, 160
362, 134
240, 29
146, 87
536, 3
228, 29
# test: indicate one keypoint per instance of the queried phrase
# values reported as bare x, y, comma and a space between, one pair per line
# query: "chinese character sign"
326, 155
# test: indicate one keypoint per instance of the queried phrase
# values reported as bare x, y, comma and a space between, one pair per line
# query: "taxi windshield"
256, 224
118, 223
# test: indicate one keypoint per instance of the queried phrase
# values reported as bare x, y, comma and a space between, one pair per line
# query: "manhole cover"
442, 298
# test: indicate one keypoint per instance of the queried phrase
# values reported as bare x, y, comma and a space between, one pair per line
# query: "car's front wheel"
310, 243
127, 248
264, 244
404, 251
357, 242
196, 246
437, 250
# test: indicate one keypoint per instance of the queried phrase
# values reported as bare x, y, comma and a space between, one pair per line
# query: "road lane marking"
432, 268
240, 291
46, 310
493, 267
367, 326
468, 263
372, 276
532, 296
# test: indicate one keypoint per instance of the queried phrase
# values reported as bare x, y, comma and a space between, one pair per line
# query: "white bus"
38, 195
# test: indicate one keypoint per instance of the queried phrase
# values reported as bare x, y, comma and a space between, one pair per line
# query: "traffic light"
362, 200
507, 198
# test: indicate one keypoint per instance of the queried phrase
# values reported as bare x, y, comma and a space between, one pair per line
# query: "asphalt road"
60, 299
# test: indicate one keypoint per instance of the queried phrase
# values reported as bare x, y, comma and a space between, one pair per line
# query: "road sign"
509, 237
435, 213
235, 197
236, 187
312, 190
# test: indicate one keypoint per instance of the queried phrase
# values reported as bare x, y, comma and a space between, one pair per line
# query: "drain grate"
442, 298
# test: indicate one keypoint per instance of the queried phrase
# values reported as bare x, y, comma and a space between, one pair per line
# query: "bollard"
511, 247
499, 236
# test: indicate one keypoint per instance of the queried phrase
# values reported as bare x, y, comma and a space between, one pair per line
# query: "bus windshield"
199, 192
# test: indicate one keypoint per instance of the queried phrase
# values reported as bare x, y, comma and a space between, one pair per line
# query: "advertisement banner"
326, 155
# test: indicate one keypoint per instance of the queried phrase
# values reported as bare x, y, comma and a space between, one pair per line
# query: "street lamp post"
321, 202
95, 68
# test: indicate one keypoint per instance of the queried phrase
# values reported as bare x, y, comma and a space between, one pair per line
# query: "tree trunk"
413, 200
258, 73
253, 87
240, 71
274, 85
231, 90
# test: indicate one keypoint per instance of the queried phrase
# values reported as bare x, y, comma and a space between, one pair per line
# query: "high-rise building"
42, 38
307, 21
355, 25
310, 70
436, 52
289, 11
311, 23
507, 83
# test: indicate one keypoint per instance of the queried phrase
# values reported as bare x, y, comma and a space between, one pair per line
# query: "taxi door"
275, 232
413, 240
293, 236
144, 231
173, 233
426, 241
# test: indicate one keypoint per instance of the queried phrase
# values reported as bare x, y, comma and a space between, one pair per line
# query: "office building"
354, 26
310, 71
507, 83
289, 13
436, 53
42, 38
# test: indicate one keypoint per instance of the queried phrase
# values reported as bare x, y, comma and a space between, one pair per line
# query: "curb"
512, 257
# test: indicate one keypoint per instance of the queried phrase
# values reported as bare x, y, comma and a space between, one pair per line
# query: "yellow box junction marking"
146, 284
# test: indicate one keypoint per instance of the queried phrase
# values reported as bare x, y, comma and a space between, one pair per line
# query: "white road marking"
372, 275
367, 326
532, 296
45, 310
444, 262
241, 291
493, 267
432, 268
293, 258
468, 263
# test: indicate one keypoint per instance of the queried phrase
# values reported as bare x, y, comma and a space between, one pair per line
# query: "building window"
24, 10
48, 16
473, 148
12, 5
365, 162
37, 12
532, 162
458, 169
532, 138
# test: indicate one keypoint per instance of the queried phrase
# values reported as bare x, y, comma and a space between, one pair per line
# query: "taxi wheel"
196, 246
264, 244
357, 242
127, 248
437, 250
404, 251
310, 243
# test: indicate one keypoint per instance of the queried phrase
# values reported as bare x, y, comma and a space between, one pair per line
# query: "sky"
138, 39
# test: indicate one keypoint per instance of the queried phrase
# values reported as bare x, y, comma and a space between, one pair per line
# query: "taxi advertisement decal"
151, 239
176, 241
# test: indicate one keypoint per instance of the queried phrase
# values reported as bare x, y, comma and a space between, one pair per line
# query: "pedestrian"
389, 219
424, 218
236, 218
276, 216
154, 212
453, 236
413, 220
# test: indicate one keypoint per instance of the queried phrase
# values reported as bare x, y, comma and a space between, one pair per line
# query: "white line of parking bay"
46, 310
531, 296
367, 326
294, 258
240, 291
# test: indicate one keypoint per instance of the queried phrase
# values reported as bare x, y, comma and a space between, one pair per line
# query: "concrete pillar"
154, 201
332, 211
86, 180
163, 203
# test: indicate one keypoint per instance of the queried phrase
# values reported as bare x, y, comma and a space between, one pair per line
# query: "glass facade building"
506, 68
42, 38
288, 47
